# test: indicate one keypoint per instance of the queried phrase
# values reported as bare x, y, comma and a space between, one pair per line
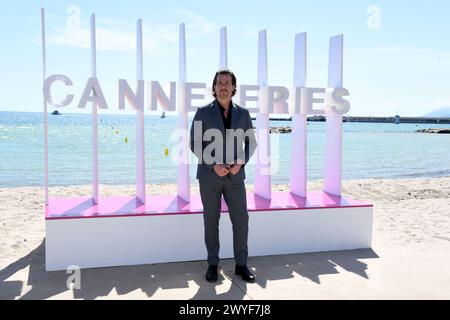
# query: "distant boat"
56, 113
163, 115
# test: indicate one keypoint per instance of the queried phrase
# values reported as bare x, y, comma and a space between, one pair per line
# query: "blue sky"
396, 56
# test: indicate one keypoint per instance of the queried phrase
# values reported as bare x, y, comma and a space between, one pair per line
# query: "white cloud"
115, 35
195, 23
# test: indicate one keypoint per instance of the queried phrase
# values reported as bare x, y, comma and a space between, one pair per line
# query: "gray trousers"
235, 197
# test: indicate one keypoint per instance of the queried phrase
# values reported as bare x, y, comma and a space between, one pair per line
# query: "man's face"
224, 87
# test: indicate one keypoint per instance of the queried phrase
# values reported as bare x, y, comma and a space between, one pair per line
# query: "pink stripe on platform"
81, 208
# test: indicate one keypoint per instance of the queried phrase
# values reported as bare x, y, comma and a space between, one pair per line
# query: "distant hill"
443, 112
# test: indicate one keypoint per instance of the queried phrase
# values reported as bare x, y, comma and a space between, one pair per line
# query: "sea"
369, 150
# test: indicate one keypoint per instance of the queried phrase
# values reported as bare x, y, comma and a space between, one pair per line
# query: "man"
223, 139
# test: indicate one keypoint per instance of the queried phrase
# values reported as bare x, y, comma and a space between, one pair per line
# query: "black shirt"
227, 120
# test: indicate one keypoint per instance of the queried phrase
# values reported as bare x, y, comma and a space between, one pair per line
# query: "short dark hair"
233, 80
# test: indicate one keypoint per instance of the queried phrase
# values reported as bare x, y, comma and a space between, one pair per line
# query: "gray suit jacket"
235, 145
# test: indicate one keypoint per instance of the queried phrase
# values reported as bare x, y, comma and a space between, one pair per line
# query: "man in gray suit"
223, 140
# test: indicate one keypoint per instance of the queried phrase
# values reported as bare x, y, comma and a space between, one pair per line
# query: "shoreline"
313, 118
275, 186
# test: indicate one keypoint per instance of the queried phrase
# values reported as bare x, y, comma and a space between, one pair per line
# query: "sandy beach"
409, 258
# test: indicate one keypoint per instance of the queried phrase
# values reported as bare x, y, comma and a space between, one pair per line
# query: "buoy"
126, 140
166, 151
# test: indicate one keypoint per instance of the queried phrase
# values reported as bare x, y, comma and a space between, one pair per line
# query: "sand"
409, 258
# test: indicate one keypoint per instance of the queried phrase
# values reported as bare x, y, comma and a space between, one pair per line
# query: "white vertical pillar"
183, 183
333, 145
140, 128
262, 170
223, 48
298, 177
44, 75
94, 116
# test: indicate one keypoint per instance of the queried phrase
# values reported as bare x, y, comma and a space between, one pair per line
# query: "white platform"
140, 240
118, 238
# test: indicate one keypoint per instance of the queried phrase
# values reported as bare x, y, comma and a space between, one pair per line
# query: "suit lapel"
234, 115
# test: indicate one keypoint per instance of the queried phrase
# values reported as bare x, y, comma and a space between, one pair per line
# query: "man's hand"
221, 170
234, 169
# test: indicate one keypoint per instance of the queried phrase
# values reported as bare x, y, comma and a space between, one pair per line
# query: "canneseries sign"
129, 230
182, 96
270, 99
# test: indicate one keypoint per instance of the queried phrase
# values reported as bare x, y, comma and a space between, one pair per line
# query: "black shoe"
211, 274
245, 273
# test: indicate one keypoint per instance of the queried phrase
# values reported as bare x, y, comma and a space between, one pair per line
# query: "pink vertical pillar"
183, 183
140, 127
298, 177
44, 76
223, 49
333, 145
94, 116
262, 170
